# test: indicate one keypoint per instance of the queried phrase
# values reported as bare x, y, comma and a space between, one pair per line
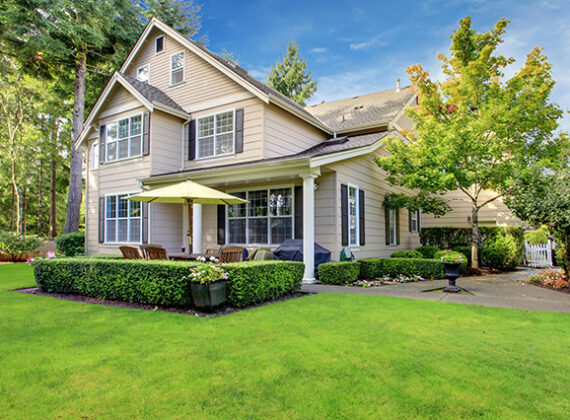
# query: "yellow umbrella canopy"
186, 192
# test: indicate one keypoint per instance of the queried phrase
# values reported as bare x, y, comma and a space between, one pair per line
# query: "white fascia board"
346, 154
171, 111
135, 93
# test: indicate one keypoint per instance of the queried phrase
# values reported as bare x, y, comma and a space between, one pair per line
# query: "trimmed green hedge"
428, 251
254, 282
407, 254
450, 237
71, 244
161, 283
344, 272
379, 267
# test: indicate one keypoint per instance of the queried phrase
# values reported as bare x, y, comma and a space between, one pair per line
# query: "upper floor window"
353, 216
143, 73
177, 68
159, 44
124, 138
215, 135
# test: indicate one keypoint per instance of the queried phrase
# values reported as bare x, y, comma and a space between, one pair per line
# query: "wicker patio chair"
231, 254
130, 252
156, 253
144, 247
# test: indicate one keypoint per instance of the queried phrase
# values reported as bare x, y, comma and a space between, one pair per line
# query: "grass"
321, 356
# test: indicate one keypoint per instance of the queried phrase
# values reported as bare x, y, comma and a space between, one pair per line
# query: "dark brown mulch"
85, 299
538, 284
482, 271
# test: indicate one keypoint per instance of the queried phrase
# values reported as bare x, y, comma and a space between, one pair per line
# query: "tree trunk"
73, 212
16, 195
52, 202
24, 205
475, 236
40, 201
12, 212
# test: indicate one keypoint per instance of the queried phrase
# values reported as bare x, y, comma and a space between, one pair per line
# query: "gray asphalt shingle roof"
357, 111
151, 93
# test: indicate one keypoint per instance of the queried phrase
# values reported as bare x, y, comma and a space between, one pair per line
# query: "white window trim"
95, 156
394, 228
139, 242
183, 68
214, 156
415, 214
129, 157
268, 244
348, 187
163, 44
142, 67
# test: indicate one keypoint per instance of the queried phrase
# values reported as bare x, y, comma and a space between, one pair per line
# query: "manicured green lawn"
322, 356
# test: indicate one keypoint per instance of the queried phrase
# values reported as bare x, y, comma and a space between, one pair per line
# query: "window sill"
214, 158
127, 160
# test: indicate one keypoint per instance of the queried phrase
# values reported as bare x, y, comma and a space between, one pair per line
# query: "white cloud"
367, 44
319, 50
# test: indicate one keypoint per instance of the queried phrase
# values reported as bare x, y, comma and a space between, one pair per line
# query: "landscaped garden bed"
552, 279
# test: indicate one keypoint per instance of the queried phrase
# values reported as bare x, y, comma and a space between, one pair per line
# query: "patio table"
191, 257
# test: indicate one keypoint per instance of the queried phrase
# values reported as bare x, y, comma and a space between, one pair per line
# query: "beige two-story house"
176, 111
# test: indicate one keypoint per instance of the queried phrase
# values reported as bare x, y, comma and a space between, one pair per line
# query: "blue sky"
358, 47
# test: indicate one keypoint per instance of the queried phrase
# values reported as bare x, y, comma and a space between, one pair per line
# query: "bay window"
122, 219
267, 218
124, 138
215, 135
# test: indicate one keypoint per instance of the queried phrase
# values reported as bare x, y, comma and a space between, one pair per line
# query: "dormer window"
143, 73
159, 44
176, 68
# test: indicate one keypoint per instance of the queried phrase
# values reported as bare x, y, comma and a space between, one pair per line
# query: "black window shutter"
146, 134
419, 213
344, 214
361, 224
409, 220
239, 130
192, 140
387, 224
144, 209
397, 226
102, 139
101, 220
298, 212
221, 224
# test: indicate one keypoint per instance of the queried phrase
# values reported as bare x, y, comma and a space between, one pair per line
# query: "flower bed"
552, 279
374, 268
387, 280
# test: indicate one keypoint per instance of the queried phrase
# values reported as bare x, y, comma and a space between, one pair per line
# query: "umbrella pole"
190, 227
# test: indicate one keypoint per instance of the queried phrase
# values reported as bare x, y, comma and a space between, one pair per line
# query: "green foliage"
561, 256
537, 236
465, 250
291, 77
71, 244
448, 255
450, 237
407, 254
503, 253
260, 281
344, 272
428, 251
163, 283
393, 267
428, 203
18, 247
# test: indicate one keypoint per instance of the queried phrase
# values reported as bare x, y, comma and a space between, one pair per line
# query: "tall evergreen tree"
291, 78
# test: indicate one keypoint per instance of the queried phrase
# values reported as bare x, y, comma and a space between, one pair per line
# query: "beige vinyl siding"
202, 82
286, 134
365, 174
252, 135
209, 226
494, 213
166, 226
165, 142
119, 101
326, 227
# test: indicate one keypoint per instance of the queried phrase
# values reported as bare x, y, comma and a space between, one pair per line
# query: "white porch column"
309, 228
197, 228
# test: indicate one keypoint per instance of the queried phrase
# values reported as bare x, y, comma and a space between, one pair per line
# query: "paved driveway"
505, 290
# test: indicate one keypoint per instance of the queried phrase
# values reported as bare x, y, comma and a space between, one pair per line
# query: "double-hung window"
353, 213
176, 68
215, 135
143, 73
159, 44
414, 221
124, 138
267, 218
393, 226
122, 219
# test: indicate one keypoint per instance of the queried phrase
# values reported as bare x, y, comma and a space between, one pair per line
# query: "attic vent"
358, 107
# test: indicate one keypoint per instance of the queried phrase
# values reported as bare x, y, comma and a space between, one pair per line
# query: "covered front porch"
281, 205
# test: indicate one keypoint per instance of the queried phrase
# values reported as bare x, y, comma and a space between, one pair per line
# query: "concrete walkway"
504, 290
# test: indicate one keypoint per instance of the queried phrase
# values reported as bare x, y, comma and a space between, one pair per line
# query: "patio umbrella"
186, 192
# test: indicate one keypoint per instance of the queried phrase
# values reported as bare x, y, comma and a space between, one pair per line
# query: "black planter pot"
209, 297
451, 274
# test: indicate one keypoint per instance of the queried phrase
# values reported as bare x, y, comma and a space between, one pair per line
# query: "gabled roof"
149, 96
233, 71
359, 112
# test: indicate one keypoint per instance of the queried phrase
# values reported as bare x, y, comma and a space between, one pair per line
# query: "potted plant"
452, 261
208, 285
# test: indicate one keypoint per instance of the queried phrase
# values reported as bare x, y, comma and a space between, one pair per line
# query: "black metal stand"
451, 274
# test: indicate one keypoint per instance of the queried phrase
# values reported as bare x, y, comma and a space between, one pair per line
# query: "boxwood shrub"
344, 272
428, 251
71, 244
161, 283
407, 254
379, 267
